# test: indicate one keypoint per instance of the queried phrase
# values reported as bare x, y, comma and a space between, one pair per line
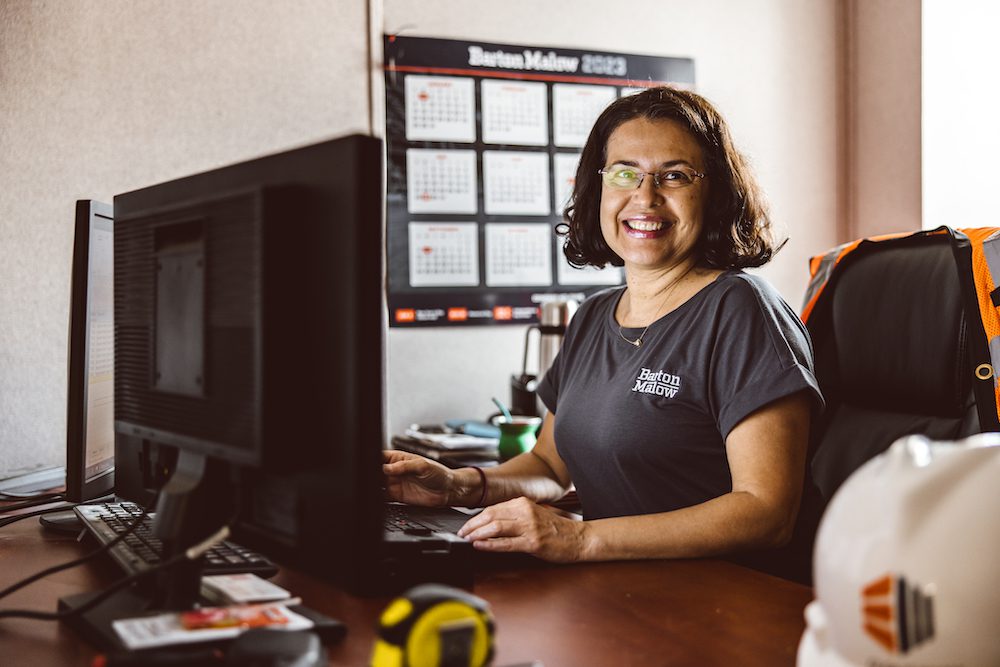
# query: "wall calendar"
482, 144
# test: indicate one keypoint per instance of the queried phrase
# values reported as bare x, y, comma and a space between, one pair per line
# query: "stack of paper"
447, 446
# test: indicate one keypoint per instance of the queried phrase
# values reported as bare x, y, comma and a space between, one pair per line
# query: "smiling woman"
679, 405
651, 225
738, 232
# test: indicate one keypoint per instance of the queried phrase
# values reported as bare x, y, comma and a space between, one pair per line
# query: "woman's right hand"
416, 480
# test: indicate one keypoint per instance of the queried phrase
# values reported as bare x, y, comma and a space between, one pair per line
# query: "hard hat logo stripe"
897, 615
882, 612
882, 636
879, 587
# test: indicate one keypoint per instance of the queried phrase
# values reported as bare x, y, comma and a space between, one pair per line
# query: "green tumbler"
517, 435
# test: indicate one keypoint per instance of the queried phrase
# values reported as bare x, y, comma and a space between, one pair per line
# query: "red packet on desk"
207, 624
245, 616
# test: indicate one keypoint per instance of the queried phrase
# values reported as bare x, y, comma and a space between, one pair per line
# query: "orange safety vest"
977, 252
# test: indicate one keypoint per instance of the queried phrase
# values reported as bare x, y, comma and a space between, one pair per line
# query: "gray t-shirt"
642, 429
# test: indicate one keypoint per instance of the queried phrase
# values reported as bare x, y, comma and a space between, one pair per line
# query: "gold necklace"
638, 341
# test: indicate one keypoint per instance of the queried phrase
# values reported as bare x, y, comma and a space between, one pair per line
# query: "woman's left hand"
523, 525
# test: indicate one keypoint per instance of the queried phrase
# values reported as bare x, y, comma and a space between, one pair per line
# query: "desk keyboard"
396, 520
142, 550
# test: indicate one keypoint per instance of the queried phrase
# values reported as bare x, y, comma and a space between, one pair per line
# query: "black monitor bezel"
89, 214
310, 494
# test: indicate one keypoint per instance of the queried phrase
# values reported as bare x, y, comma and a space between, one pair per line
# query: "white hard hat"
905, 565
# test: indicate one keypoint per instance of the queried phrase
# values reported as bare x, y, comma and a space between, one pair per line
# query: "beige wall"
102, 96
883, 161
99, 97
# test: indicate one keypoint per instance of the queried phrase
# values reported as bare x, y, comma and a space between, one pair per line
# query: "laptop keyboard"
397, 521
142, 549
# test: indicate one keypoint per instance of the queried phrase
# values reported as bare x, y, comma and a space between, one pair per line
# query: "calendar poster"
576, 108
443, 254
515, 183
440, 181
518, 254
440, 108
588, 275
564, 170
515, 112
630, 91
483, 141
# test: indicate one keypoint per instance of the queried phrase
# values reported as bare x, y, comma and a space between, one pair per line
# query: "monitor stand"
96, 624
67, 522
194, 503
64, 523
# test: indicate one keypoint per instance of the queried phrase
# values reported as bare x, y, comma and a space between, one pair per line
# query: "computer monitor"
90, 436
90, 432
249, 337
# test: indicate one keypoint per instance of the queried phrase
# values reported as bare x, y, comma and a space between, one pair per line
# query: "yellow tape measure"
435, 626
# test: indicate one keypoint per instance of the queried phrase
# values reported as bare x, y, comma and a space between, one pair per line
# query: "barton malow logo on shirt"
658, 383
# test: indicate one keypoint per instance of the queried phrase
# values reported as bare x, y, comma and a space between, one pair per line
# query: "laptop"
434, 527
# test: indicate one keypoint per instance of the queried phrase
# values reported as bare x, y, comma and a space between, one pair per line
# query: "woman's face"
654, 227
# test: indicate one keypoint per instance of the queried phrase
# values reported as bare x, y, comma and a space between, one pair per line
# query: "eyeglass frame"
657, 183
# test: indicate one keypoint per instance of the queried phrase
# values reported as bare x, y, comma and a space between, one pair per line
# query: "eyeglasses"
620, 177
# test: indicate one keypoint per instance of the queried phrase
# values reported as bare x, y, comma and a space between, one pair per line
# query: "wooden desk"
607, 614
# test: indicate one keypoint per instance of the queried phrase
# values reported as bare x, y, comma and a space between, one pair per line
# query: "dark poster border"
485, 305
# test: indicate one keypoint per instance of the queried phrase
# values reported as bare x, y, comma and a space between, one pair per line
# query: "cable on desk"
192, 553
6, 521
33, 502
79, 561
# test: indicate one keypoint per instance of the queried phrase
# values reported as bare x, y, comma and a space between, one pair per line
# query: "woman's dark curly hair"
736, 231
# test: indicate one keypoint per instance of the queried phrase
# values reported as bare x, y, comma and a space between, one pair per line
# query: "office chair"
894, 354
897, 337
900, 327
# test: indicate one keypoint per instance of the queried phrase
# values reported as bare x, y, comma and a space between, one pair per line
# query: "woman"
679, 405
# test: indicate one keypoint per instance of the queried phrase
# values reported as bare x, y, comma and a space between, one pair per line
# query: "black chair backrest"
891, 341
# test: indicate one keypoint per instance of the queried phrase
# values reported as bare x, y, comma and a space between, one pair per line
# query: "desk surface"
703, 613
